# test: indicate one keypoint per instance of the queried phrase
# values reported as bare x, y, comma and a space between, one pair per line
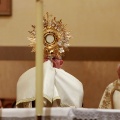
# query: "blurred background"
94, 51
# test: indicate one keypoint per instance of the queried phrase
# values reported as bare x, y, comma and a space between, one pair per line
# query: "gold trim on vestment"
107, 98
32, 99
25, 100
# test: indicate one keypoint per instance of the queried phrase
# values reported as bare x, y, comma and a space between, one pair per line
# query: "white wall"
91, 22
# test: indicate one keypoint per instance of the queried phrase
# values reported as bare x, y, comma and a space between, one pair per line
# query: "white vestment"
58, 84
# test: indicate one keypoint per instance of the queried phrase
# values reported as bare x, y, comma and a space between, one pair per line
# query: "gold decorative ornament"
55, 37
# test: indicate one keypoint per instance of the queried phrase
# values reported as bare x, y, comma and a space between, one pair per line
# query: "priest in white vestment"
60, 88
111, 95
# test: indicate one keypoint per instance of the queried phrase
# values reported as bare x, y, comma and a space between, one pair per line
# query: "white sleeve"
70, 89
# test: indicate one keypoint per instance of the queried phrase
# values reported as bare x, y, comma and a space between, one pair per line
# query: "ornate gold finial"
55, 37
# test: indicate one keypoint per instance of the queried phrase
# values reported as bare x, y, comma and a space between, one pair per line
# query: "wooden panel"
74, 54
10, 72
16, 53
94, 67
95, 76
5, 7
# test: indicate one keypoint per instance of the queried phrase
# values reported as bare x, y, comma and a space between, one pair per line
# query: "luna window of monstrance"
49, 39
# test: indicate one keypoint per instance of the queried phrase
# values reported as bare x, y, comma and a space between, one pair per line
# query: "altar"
75, 88
60, 114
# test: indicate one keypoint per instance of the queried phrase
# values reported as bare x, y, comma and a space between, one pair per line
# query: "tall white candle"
39, 57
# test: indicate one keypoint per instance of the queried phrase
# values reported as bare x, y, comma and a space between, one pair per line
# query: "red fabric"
57, 63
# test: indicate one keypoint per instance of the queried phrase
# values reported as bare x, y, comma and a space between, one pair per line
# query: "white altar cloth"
60, 114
